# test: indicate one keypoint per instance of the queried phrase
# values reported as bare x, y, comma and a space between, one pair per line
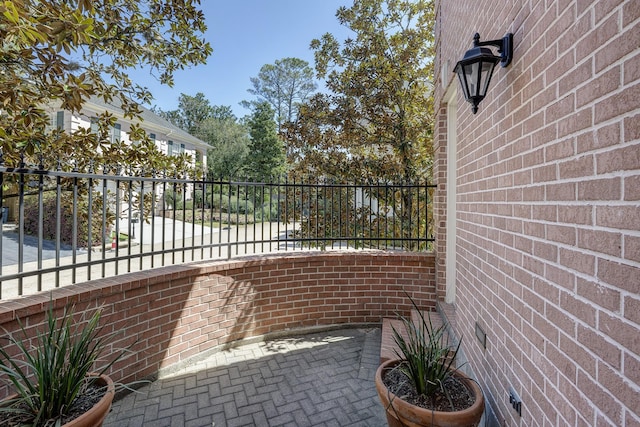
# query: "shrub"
31, 211
229, 204
269, 211
198, 199
173, 200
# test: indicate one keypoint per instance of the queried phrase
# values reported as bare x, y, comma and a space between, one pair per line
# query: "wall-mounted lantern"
476, 68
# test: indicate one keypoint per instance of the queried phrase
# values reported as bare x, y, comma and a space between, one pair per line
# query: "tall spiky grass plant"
426, 353
63, 362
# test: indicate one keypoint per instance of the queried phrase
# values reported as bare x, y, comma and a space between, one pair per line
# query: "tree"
223, 112
230, 145
376, 122
191, 112
63, 52
219, 127
266, 157
285, 85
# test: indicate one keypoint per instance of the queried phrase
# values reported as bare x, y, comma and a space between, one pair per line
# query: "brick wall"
172, 313
548, 208
440, 202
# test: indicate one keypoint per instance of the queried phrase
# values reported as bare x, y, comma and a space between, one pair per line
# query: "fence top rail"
94, 176
282, 182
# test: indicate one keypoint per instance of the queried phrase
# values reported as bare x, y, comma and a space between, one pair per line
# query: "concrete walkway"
321, 379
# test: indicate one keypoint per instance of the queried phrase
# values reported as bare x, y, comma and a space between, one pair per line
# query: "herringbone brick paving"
322, 379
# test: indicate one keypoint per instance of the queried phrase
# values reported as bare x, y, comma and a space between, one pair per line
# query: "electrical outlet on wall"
515, 401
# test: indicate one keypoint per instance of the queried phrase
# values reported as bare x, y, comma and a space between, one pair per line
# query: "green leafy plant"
426, 354
64, 361
67, 215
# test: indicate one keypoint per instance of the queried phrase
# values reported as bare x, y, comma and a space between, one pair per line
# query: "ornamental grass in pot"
58, 376
422, 387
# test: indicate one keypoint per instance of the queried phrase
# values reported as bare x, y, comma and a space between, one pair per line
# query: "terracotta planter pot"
403, 414
95, 416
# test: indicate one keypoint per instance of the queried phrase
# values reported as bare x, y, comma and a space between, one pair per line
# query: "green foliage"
49, 375
231, 204
224, 202
173, 199
284, 85
376, 123
249, 202
240, 205
377, 119
216, 125
266, 157
426, 354
31, 211
328, 215
61, 53
230, 145
374, 216
198, 199
191, 112
269, 211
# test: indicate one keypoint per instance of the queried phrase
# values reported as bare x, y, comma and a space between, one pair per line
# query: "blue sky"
245, 35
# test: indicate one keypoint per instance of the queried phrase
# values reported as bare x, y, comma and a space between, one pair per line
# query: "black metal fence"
66, 227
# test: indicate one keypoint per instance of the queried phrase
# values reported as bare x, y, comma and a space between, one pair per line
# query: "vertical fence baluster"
230, 220
153, 213
140, 220
89, 222
129, 199
74, 228
117, 222
164, 215
184, 218
40, 223
245, 196
202, 219
286, 212
106, 226
58, 224
219, 218
307, 218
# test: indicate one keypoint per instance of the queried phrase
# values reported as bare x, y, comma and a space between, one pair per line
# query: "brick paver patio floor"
321, 379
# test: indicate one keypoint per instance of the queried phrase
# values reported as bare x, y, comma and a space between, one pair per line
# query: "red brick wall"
172, 313
548, 208
440, 202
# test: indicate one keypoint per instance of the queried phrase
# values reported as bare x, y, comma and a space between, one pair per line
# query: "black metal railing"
68, 227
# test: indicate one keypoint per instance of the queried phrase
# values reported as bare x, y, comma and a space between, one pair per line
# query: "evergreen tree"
285, 85
266, 157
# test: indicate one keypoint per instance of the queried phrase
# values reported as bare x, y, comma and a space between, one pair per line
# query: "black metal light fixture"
476, 68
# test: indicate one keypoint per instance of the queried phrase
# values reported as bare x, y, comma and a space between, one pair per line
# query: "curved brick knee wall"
172, 313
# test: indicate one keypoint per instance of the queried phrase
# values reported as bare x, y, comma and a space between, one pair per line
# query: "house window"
59, 124
116, 132
181, 148
94, 125
170, 151
56, 121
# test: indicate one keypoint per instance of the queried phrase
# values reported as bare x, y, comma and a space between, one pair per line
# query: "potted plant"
58, 376
423, 387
